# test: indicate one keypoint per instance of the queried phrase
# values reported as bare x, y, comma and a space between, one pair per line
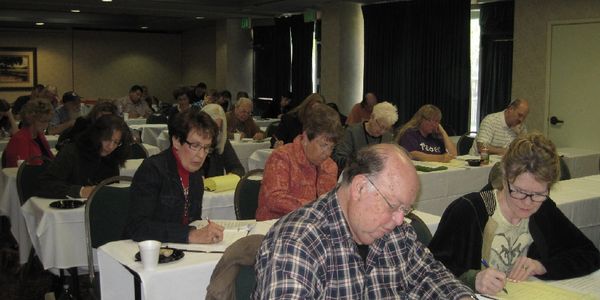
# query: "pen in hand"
485, 264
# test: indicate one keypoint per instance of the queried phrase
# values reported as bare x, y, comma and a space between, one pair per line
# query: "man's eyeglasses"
196, 147
519, 195
405, 210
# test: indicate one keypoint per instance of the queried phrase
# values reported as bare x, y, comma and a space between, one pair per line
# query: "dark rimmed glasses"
208, 149
405, 210
519, 195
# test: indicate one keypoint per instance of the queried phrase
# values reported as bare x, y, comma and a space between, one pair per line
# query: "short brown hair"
533, 153
323, 120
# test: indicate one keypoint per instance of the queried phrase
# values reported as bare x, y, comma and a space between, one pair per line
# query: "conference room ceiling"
155, 15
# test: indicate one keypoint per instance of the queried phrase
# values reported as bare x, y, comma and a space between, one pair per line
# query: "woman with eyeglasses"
96, 155
167, 189
516, 230
30, 141
374, 131
425, 138
299, 172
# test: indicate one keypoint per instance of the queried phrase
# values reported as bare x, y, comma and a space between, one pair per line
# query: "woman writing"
517, 230
96, 155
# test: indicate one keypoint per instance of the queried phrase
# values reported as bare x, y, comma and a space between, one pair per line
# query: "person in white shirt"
498, 130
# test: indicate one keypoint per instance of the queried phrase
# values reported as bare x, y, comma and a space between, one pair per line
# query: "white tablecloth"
581, 162
579, 200
152, 150
163, 142
245, 148
150, 132
136, 121
58, 235
10, 206
258, 158
264, 122
52, 140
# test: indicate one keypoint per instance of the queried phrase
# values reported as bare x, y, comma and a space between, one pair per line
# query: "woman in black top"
96, 155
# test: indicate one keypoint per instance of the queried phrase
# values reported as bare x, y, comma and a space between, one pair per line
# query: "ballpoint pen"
485, 264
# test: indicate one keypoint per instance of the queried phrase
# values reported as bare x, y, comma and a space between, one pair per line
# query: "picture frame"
18, 68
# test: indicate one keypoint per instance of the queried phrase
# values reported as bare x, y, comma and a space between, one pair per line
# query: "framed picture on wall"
18, 68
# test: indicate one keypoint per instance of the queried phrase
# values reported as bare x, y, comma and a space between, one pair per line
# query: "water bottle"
485, 155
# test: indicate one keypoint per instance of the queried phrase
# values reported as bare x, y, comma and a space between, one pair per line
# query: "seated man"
352, 243
167, 189
133, 104
298, 172
66, 114
240, 120
498, 130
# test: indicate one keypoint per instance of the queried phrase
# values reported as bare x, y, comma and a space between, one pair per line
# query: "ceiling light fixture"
106, 0
39, 23
199, 18
144, 27
75, 11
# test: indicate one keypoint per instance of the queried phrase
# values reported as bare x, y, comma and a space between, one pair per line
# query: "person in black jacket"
223, 160
97, 155
83, 123
291, 123
167, 189
517, 230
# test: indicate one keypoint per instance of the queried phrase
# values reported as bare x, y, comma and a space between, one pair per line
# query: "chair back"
423, 233
3, 159
28, 174
565, 173
106, 213
272, 128
137, 151
463, 146
157, 119
245, 199
245, 282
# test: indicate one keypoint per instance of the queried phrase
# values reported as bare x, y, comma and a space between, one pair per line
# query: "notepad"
221, 183
234, 230
539, 290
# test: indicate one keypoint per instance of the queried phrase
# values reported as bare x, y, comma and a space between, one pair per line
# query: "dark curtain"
495, 78
302, 42
417, 53
272, 59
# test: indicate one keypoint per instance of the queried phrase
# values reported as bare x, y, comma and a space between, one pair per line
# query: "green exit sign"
246, 23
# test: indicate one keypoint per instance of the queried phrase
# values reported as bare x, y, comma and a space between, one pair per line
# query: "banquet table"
150, 132
193, 271
135, 121
581, 162
579, 200
258, 158
265, 122
52, 140
246, 147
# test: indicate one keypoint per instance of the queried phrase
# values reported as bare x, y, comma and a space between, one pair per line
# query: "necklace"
186, 204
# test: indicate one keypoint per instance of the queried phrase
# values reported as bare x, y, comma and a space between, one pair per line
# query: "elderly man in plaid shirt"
352, 243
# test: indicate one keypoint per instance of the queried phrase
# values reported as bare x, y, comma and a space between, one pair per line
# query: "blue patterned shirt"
310, 254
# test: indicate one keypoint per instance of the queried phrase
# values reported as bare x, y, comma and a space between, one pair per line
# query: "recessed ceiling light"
75, 10
106, 0
199, 18
39, 23
144, 27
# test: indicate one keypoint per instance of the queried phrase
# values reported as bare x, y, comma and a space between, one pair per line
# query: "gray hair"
215, 111
386, 113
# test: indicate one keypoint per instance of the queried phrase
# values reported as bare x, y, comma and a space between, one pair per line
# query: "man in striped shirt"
497, 130
352, 243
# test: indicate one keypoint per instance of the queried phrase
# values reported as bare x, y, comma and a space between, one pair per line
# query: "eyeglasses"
197, 147
519, 195
405, 210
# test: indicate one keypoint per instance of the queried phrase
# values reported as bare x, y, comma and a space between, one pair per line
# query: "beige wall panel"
199, 56
107, 64
530, 63
53, 57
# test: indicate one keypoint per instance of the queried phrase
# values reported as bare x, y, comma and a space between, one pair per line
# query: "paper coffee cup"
149, 251
237, 136
126, 116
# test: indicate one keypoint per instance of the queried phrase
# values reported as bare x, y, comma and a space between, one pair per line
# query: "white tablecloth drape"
581, 162
258, 158
136, 121
10, 206
52, 140
150, 132
246, 147
264, 122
